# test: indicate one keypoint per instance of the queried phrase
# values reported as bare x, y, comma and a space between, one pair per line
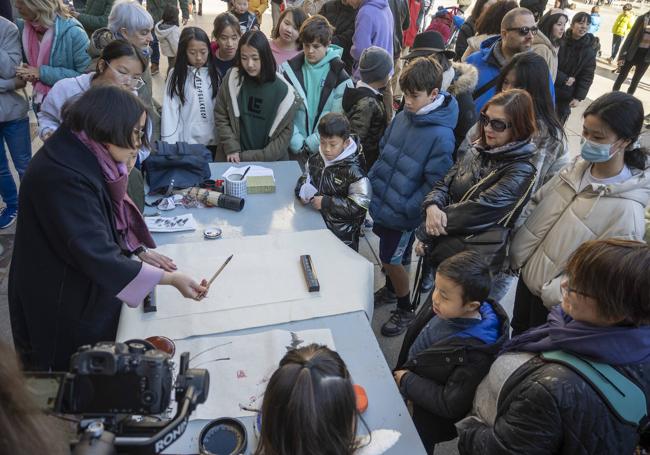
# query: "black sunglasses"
497, 125
523, 31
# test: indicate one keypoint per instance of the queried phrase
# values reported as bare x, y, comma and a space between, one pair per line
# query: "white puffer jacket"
562, 218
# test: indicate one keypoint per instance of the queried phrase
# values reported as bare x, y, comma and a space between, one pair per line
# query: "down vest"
547, 408
415, 154
562, 217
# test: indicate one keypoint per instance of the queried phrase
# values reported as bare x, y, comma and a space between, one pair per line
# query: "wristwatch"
139, 250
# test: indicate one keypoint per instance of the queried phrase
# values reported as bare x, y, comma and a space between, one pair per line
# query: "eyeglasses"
566, 289
524, 31
497, 125
139, 134
132, 81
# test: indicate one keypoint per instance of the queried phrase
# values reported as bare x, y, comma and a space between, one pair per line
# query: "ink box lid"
211, 233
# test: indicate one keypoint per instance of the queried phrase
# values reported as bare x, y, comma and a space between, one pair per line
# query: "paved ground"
603, 82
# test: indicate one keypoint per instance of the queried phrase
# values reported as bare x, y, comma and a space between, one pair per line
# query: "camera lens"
97, 363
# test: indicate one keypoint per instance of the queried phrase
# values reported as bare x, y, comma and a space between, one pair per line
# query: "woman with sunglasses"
120, 64
601, 194
78, 233
575, 67
532, 404
477, 203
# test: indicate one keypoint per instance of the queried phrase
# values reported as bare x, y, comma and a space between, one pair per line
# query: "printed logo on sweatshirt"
255, 105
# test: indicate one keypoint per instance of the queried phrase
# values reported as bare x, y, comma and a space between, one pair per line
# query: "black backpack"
179, 165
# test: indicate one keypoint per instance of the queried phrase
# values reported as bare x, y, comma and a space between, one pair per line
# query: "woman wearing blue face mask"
601, 194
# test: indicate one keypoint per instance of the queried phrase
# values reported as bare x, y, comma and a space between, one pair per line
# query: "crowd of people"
460, 156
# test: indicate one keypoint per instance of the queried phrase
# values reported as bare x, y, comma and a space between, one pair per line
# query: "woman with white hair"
131, 22
54, 44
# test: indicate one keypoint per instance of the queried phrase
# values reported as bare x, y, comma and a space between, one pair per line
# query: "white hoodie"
192, 122
168, 36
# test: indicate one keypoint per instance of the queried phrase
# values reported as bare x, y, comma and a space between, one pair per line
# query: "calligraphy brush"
216, 274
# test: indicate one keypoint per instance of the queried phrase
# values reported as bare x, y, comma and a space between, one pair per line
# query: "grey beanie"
375, 64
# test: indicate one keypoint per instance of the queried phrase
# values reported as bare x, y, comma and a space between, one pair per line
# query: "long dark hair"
179, 75
309, 406
532, 73
257, 40
118, 49
477, 10
546, 24
623, 113
299, 17
489, 22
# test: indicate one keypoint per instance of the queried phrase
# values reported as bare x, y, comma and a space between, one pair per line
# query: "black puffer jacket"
342, 18
467, 30
547, 408
455, 365
577, 59
346, 193
483, 189
367, 115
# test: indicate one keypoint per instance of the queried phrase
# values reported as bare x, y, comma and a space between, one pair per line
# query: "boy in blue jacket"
450, 347
318, 75
415, 152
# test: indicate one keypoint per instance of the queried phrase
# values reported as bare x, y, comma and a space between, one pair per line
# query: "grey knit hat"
375, 64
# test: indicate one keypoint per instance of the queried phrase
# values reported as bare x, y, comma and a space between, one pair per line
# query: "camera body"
118, 378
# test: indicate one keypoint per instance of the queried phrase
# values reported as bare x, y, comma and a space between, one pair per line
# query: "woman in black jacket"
76, 230
468, 29
342, 17
576, 66
529, 404
482, 195
635, 53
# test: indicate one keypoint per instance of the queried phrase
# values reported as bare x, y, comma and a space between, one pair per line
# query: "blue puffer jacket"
69, 56
488, 69
415, 153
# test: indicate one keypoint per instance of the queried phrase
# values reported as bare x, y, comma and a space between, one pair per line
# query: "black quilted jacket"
346, 194
547, 408
367, 115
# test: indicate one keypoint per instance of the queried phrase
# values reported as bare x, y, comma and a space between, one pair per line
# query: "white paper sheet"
307, 191
241, 366
263, 285
171, 223
246, 281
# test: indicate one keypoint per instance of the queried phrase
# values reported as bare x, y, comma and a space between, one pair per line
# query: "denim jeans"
16, 134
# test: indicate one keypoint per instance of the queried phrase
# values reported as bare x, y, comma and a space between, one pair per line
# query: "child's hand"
398, 375
233, 158
419, 248
317, 202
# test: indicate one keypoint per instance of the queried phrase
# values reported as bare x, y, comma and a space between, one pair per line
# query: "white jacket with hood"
562, 217
193, 121
168, 37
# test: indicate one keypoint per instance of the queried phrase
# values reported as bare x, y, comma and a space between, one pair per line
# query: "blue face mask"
595, 153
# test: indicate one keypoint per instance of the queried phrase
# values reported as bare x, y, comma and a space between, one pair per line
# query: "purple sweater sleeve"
134, 293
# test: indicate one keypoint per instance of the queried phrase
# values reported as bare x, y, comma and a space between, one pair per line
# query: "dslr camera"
120, 393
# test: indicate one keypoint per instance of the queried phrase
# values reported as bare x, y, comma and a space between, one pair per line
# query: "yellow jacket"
258, 7
623, 23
